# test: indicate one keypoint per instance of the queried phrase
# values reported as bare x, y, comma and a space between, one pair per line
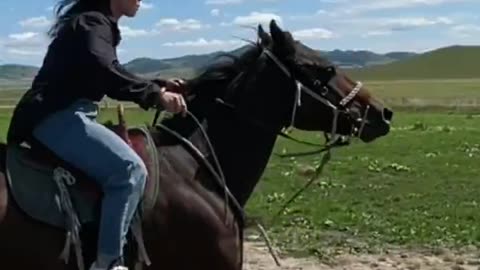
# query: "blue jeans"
75, 136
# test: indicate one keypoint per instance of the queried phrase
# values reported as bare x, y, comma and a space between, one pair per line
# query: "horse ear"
265, 38
284, 42
277, 33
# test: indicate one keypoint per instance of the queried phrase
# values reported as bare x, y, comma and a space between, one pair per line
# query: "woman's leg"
76, 137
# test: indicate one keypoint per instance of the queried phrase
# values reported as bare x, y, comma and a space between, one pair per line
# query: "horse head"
313, 94
276, 83
281, 82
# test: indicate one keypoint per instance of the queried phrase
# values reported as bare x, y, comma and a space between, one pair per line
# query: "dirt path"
257, 257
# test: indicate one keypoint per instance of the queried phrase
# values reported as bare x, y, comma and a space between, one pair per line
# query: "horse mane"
220, 74
214, 81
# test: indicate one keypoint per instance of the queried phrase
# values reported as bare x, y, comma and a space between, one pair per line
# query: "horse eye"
324, 91
317, 83
331, 70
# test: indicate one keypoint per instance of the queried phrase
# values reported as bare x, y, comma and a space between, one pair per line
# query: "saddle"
54, 192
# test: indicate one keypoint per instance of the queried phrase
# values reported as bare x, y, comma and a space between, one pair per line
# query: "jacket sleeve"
96, 33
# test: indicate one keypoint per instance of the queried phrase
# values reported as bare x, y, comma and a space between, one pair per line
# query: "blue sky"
170, 28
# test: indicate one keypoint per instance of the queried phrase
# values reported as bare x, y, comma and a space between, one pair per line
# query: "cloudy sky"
170, 28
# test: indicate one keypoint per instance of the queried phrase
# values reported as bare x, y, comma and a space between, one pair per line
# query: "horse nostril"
387, 115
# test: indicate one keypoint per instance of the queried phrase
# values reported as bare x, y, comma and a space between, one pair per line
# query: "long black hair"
65, 10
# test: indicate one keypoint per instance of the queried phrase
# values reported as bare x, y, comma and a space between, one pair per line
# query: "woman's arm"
96, 34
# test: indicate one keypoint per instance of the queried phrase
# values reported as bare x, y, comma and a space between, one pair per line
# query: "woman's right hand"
173, 102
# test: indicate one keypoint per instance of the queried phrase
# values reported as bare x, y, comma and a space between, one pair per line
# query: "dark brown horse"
243, 104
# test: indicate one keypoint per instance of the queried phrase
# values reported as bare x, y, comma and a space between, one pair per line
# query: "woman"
59, 110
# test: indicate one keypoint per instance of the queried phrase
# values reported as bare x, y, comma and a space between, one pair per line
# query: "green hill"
189, 63
346, 58
456, 62
17, 72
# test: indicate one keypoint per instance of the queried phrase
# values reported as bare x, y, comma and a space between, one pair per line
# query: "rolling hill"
347, 59
362, 58
187, 63
17, 72
455, 62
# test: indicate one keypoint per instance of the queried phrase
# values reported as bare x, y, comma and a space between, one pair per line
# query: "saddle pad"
36, 193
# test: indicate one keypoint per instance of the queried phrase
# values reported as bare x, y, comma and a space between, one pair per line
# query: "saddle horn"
122, 129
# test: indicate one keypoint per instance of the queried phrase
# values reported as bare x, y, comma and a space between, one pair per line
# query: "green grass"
430, 95
426, 89
417, 187
446, 63
458, 94
133, 117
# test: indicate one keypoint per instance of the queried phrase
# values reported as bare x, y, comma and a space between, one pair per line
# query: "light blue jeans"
75, 136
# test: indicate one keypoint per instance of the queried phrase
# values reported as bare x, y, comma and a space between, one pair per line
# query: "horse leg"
24, 243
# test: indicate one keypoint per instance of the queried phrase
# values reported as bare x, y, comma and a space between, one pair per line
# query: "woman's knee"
139, 173
130, 177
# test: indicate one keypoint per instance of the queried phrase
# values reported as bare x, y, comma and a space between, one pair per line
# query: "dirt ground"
257, 257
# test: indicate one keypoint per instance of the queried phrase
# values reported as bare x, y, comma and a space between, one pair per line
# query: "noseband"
301, 88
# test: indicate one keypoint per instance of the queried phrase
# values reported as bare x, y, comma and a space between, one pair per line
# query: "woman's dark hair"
65, 10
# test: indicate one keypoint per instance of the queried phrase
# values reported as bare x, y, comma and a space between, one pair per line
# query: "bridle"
335, 139
303, 89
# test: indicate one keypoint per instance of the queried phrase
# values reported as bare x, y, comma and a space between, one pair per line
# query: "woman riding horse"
59, 111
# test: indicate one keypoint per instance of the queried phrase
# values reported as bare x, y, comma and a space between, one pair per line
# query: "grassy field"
425, 95
458, 62
417, 187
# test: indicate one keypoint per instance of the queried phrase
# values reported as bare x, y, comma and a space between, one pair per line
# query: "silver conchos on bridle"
301, 88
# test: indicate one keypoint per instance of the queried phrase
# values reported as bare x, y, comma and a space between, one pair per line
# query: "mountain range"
186, 65
191, 63
443, 63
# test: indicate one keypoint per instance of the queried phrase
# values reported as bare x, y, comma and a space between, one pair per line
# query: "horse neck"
243, 151
242, 148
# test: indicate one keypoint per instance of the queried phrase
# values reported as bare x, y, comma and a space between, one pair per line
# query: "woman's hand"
176, 85
173, 102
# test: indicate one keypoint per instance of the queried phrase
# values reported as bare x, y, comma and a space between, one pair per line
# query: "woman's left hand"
176, 85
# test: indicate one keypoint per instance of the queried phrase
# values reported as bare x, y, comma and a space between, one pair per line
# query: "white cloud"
173, 24
377, 33
465, 30
24, 52
334, 1
23, 36
36, 22
358, 6
144, 5
201, 42
215, 12
223, 2
380, 26
399, 24
256, 18
313, 34
26, 43
122, 51
130, 32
